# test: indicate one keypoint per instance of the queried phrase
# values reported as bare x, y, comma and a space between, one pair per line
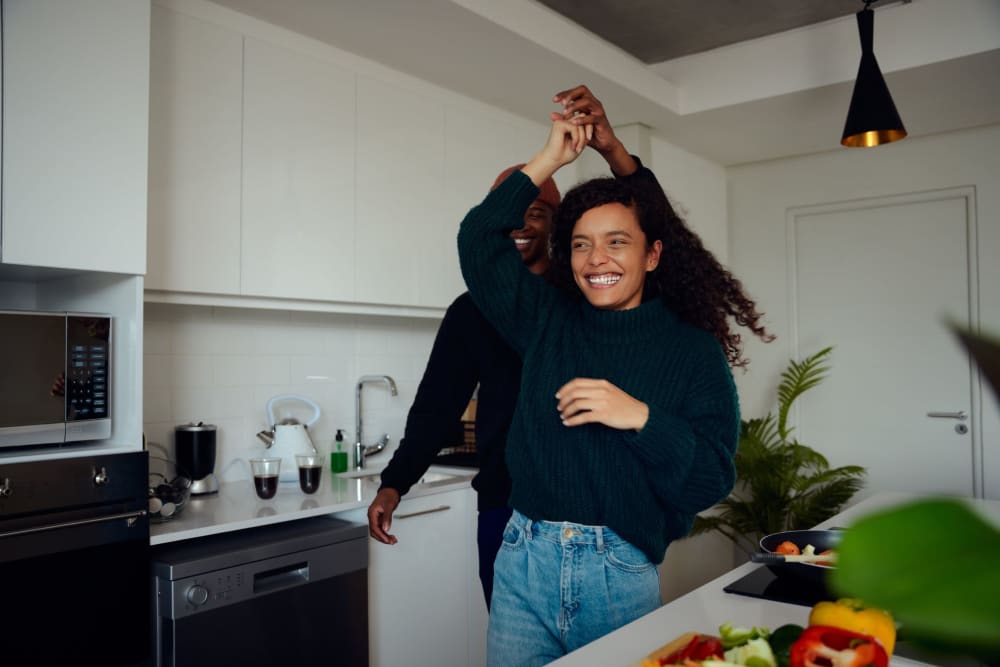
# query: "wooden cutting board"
665, 650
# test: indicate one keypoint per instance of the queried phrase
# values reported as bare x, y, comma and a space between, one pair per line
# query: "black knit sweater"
467, 351
645, 485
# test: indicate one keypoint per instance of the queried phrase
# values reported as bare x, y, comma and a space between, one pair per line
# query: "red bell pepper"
827, 646
701, 647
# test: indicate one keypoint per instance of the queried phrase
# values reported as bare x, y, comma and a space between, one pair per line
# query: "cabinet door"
480, 142
400, 186
418, 589
298, 176
75, 121
195, 133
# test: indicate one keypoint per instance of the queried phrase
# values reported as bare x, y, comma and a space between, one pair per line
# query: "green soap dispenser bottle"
338, 459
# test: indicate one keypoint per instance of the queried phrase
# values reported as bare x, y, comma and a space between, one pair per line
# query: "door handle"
960, 415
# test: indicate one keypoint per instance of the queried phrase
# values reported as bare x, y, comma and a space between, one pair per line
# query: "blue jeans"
489, 535
558, 586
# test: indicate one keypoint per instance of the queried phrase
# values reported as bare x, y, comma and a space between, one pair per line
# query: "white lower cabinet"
423, 592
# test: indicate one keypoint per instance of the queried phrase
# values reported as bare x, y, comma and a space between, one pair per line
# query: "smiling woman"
626, 421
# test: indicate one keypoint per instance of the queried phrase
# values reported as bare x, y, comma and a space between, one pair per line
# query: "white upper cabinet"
283, 170
400, 190
298, 238
75, 117
195, 153
480, 142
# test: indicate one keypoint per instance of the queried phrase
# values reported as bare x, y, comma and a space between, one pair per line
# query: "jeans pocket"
513, 536
627, 558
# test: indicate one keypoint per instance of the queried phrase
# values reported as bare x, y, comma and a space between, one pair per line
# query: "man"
468, 351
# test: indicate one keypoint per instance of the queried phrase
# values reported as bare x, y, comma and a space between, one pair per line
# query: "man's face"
532, 240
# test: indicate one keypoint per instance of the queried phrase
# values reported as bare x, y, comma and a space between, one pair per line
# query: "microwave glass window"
32, 382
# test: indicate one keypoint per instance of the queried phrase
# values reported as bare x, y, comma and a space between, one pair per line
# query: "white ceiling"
777, 95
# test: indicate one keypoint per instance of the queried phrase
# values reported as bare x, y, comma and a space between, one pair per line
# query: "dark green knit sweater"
645, 485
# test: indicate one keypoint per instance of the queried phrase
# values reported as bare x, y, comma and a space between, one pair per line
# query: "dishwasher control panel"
217, 588
205, 592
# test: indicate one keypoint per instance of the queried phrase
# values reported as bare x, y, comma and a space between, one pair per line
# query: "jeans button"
567, 533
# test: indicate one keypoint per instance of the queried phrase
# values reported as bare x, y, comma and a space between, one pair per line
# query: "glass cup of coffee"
310, 467
265, 476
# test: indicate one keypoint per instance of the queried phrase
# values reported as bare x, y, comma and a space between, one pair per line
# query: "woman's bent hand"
565, 143
588, 401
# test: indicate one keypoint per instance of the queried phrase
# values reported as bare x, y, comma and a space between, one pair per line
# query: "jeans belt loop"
527, 528
599, 533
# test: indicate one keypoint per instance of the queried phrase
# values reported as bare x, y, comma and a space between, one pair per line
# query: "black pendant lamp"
872, 119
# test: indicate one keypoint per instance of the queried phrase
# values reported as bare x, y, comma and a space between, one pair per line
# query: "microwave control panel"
87, 368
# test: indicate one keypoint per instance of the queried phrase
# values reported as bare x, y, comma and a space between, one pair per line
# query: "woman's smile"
604, 279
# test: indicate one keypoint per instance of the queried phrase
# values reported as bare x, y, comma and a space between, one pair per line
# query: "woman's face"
609, 257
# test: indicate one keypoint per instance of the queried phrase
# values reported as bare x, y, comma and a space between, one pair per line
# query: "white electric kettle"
289, 437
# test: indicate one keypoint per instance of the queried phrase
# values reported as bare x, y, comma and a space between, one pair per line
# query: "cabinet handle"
960, 415
442, 508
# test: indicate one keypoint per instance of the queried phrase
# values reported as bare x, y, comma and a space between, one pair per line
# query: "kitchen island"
707, 607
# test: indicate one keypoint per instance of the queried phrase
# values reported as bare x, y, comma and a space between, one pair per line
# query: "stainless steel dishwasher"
294, 593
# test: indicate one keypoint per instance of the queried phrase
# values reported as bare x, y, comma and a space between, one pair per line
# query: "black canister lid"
191, 426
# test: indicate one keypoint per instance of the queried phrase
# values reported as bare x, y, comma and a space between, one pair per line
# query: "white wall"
761, 194
697, 190
221, 365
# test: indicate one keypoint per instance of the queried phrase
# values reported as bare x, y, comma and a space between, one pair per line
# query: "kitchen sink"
429, 477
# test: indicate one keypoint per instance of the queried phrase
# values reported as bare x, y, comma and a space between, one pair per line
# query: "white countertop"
705, 608
236, 505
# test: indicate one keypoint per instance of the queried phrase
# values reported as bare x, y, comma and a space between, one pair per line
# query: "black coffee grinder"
194, 445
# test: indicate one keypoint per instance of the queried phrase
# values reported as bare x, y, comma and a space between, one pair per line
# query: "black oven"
74, 561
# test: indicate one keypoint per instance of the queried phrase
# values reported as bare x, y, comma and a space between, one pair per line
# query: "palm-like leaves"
781, 484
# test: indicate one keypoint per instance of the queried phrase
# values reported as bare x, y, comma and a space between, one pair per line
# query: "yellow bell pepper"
851, 614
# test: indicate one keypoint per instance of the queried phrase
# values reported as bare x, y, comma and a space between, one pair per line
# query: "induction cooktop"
762, 583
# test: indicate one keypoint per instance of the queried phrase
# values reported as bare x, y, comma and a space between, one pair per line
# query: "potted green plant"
781, 484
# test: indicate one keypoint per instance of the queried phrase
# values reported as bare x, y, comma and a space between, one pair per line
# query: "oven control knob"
197, 595
101, 477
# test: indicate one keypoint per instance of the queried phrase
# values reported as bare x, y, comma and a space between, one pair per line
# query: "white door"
876, 279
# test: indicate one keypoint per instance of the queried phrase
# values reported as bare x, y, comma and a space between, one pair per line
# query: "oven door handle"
131, 517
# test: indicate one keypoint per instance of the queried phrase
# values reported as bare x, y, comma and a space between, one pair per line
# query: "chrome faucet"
362, 451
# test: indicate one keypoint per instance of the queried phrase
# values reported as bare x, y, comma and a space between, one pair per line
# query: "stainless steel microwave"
55, 377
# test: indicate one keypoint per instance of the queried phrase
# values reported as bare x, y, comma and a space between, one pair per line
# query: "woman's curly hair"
689, 279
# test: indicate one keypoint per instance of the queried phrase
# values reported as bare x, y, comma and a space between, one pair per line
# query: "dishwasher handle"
287, 576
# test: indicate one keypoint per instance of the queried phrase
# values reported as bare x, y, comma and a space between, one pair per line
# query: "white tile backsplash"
221, 365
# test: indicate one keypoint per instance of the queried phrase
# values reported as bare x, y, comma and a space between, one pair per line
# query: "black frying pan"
821, 541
